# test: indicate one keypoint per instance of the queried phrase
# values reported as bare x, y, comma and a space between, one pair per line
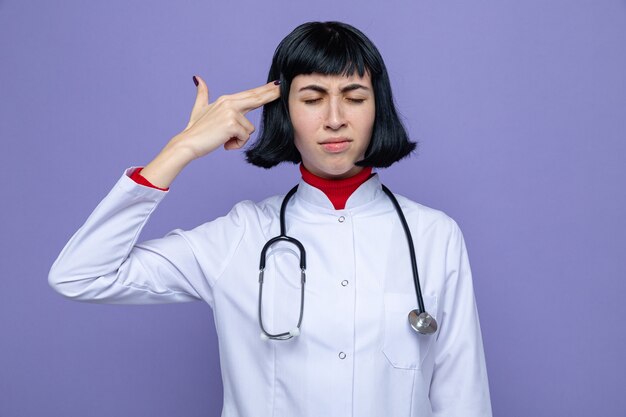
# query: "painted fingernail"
195, 80
277, 82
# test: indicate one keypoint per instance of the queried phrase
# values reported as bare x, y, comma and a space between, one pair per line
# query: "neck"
337, 191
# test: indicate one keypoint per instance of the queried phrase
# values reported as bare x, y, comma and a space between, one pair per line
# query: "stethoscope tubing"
426, 325
282, 237
407, 232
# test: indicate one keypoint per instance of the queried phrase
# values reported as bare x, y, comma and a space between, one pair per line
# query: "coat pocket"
403, 346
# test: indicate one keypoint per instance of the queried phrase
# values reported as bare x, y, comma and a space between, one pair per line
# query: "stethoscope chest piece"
422, 323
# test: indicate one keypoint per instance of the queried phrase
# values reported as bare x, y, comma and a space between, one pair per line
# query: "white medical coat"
356, 355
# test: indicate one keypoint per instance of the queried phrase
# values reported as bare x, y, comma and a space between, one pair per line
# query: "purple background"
520, 110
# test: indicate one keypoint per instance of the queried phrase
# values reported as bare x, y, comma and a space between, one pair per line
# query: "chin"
333, 168
338, 172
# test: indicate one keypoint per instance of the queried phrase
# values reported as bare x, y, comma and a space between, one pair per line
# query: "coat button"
342, 355
341, 219
344, 283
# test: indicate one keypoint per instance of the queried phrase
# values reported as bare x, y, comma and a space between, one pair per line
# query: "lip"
335, 145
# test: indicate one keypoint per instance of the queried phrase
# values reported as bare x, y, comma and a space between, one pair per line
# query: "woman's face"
332, 118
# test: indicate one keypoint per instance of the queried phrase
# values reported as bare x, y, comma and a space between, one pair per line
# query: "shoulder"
428, 218
247, 214
259, 212
249, 219
426, 214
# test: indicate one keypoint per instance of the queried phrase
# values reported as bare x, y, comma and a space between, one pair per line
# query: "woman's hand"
211, 125
223, 122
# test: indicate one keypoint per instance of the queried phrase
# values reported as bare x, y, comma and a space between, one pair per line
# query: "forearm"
166, 166
100, 262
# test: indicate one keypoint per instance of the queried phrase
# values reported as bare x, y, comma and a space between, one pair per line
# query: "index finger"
256, 97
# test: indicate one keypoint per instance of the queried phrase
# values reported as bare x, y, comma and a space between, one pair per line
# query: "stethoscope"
419, 319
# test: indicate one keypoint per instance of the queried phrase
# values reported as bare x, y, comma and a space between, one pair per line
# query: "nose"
335, 118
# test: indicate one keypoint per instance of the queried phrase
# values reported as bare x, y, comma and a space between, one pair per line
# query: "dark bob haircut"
330, 48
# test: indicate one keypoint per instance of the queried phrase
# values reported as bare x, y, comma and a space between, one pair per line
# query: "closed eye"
312, 100
356, 100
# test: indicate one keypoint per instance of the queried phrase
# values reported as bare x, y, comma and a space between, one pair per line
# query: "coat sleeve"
102, 263
459, 385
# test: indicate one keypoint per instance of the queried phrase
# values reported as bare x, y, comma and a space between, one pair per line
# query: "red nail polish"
195, 80
277, 82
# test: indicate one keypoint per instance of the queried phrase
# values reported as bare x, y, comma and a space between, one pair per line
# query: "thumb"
202, 100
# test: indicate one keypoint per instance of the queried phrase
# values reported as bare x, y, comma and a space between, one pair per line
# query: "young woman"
331, 306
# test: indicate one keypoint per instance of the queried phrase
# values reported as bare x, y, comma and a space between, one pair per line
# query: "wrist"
166, 166
141, 180
178, 150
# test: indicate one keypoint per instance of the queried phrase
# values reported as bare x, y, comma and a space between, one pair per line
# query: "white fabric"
356, 354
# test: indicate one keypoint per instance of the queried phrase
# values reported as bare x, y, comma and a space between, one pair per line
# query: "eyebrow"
347, 88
